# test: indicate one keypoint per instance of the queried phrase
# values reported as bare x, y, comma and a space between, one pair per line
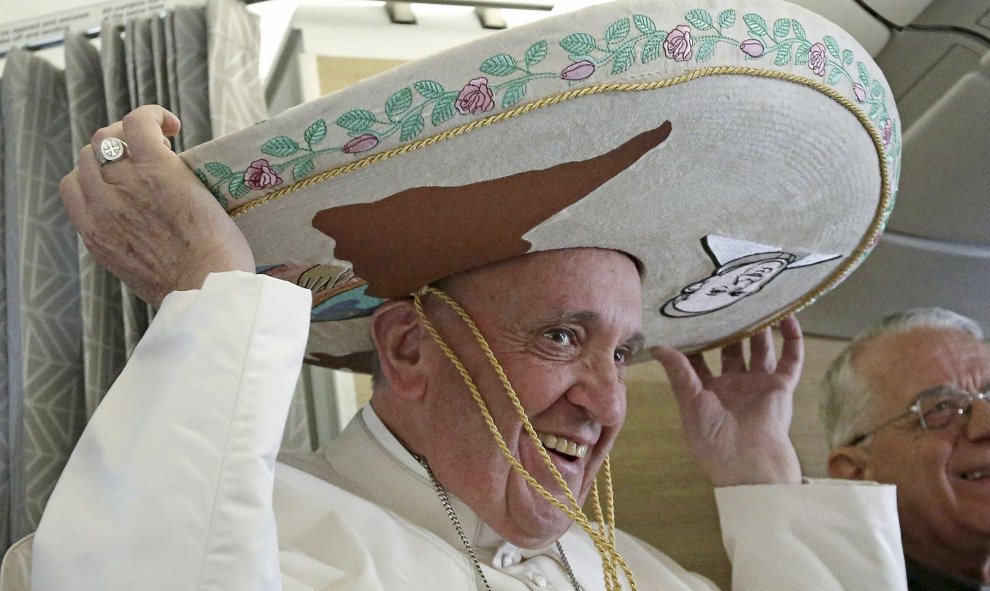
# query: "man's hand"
736, 424
146, 217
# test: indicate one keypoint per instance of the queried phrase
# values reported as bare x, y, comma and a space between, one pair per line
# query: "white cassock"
174, 486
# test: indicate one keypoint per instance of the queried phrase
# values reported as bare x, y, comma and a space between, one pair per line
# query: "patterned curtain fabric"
6, 423
68, 323
236, 97
44, 325
101, 298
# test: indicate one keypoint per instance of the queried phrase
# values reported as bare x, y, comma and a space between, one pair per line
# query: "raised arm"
170, 485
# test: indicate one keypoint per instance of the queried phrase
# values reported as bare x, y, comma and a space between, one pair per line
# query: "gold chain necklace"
449, 510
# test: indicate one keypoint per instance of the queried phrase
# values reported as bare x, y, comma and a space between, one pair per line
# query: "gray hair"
847, 404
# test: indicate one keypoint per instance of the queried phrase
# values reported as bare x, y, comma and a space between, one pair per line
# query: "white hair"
847, 404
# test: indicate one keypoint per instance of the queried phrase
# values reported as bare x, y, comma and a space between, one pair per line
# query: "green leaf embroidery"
299, 171
653, 48
513, 94
832, 46
356, 120
405, 110
443, 110
803, 53
315, 133
798, 30
411, 127
644, 24
699, 19
502, 64
280, 146
781, 27
624, 59
536, 53
705, 49
578, 44
834, 75
218, 169
863, 76
756, 25
617, 31
428, 89
398, 103
202, 177
783, 54
727, 18
237, 187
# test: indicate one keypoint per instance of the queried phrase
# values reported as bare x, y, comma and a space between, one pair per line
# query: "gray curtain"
44, 326
69, 324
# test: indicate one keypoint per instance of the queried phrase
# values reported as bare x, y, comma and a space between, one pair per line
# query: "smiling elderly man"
906, 404
504, 268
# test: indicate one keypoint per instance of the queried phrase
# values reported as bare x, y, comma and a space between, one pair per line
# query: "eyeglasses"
935, 409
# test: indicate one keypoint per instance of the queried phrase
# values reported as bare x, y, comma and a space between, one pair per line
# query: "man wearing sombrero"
503, 225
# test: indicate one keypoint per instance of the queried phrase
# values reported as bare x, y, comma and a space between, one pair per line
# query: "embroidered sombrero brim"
745, 153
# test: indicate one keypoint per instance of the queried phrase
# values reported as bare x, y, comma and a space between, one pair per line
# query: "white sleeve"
828, 535
170, 485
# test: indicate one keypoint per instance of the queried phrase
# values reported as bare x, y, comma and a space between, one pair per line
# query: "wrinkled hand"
146, 217
736, 424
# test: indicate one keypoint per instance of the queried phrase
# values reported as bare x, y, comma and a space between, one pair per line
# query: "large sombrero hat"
746, 153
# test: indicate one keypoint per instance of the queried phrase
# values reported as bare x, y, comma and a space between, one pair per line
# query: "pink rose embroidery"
817, 60
859, 91
261, 176
475, 97
888, 131
678, 44
361, 143
578, 70
752, 47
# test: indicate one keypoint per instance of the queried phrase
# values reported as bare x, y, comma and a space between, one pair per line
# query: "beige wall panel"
339, 72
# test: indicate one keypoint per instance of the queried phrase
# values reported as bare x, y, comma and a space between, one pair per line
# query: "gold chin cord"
604, 535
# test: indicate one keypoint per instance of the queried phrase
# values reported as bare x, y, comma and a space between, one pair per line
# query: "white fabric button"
538, 579
506, 555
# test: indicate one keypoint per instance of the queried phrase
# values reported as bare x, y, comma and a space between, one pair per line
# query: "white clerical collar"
380, 432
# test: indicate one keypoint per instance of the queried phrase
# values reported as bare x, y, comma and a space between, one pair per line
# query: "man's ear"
397, 335
849, 463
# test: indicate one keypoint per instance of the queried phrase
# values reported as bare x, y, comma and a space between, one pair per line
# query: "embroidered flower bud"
261, 176
859, 91
361, 143
475, 97
817, 59
578, 70
752, 47
888, 131
678, 45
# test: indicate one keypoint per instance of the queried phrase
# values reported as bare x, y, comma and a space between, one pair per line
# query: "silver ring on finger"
111, 149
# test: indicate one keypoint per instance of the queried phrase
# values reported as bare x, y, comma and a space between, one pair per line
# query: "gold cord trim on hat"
604, 536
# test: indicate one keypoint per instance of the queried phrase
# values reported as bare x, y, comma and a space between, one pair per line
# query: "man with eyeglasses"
906, 403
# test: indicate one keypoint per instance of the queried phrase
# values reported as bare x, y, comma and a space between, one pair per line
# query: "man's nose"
601, 390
